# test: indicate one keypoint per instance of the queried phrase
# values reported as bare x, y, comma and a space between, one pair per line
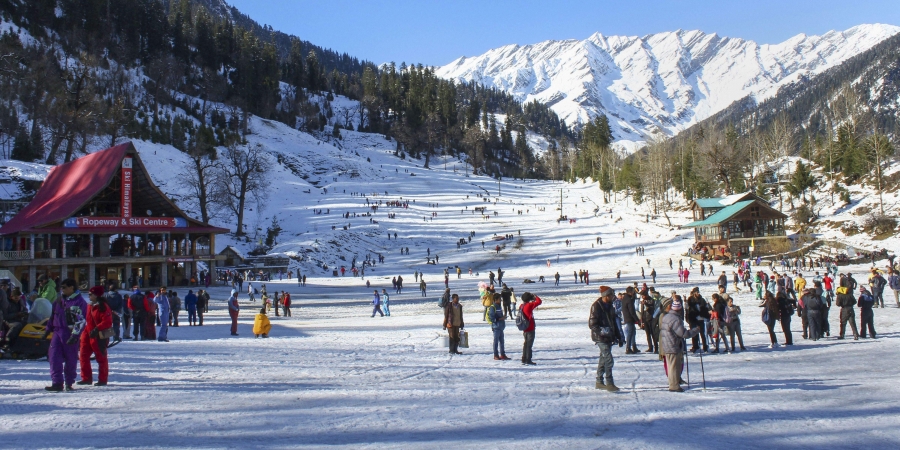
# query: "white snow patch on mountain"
662, 82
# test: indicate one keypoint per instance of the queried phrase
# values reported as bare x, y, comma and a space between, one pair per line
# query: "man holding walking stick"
671, 340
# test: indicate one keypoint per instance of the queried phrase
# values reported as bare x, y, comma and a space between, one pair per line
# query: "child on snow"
261, 325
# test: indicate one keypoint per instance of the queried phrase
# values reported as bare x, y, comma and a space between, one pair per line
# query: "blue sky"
436, 32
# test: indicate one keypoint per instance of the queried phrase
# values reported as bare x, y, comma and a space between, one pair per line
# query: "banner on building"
126, 187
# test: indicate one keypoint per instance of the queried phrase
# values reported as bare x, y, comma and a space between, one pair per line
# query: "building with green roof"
727, 227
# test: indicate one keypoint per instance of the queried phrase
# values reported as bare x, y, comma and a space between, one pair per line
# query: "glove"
95, 333
621, 343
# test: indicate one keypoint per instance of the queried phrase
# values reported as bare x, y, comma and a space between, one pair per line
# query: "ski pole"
687, 364
702, 372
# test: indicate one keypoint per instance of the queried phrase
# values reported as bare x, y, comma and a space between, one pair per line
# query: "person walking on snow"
190, 303
453, 322
386, 301
605, 332
67, 320
99, 319
376, 303
530, 302
233, 310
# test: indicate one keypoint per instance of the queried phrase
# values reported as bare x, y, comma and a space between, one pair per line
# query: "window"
754, 211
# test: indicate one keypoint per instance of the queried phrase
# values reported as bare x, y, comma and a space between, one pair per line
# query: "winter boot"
600, 385
84, 383
54, 388
611, 387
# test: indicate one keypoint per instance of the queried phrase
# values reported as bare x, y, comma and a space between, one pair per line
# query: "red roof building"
100, 218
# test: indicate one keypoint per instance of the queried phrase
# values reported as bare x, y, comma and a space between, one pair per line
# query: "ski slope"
334, 376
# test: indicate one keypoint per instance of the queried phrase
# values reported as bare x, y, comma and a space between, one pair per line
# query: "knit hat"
606, 291
97, 290
666, 303
677, 304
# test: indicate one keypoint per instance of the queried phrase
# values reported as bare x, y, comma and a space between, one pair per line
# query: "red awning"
68, 187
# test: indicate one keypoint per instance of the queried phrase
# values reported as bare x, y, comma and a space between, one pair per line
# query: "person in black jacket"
697, 314
629, 319
605, 333
115, 303
202, 305
846, 302
786, 310
506, 295
866, 314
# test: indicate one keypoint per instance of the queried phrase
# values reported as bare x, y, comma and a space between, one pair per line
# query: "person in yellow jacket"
799, 284
261, 325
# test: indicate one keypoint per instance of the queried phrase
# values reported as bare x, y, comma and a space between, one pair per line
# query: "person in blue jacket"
162, 303
376, 302
190, 303
497, 317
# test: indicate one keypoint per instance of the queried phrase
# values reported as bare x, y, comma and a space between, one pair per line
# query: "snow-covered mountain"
664, 81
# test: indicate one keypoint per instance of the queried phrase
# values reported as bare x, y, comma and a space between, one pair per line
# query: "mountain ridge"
658, 82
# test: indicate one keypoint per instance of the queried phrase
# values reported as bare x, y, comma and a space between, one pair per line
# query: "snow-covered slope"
664, 81
333, 376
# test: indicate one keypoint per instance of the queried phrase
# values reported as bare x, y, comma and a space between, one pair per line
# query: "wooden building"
101, 218
727, 227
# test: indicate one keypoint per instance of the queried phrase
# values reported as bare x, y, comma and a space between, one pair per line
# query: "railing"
15, 254
756, 234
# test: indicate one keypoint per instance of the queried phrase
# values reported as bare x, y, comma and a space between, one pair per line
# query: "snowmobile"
29, 341
29, 344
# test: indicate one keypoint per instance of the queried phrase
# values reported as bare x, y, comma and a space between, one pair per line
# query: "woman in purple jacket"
66, 323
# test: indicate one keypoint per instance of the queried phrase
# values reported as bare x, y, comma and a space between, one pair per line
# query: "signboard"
126, 187
125, 222
179, 260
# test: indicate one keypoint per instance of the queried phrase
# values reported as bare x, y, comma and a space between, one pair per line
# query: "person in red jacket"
99, 318
531, 301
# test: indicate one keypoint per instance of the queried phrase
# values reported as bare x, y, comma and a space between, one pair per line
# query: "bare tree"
778, 143
241, 171
879, 147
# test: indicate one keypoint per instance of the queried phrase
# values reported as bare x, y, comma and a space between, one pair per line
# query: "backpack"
522, 322
137, 302
442, 303
841, 290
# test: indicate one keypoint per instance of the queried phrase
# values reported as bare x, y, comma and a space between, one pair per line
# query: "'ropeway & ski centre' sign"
125, 222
